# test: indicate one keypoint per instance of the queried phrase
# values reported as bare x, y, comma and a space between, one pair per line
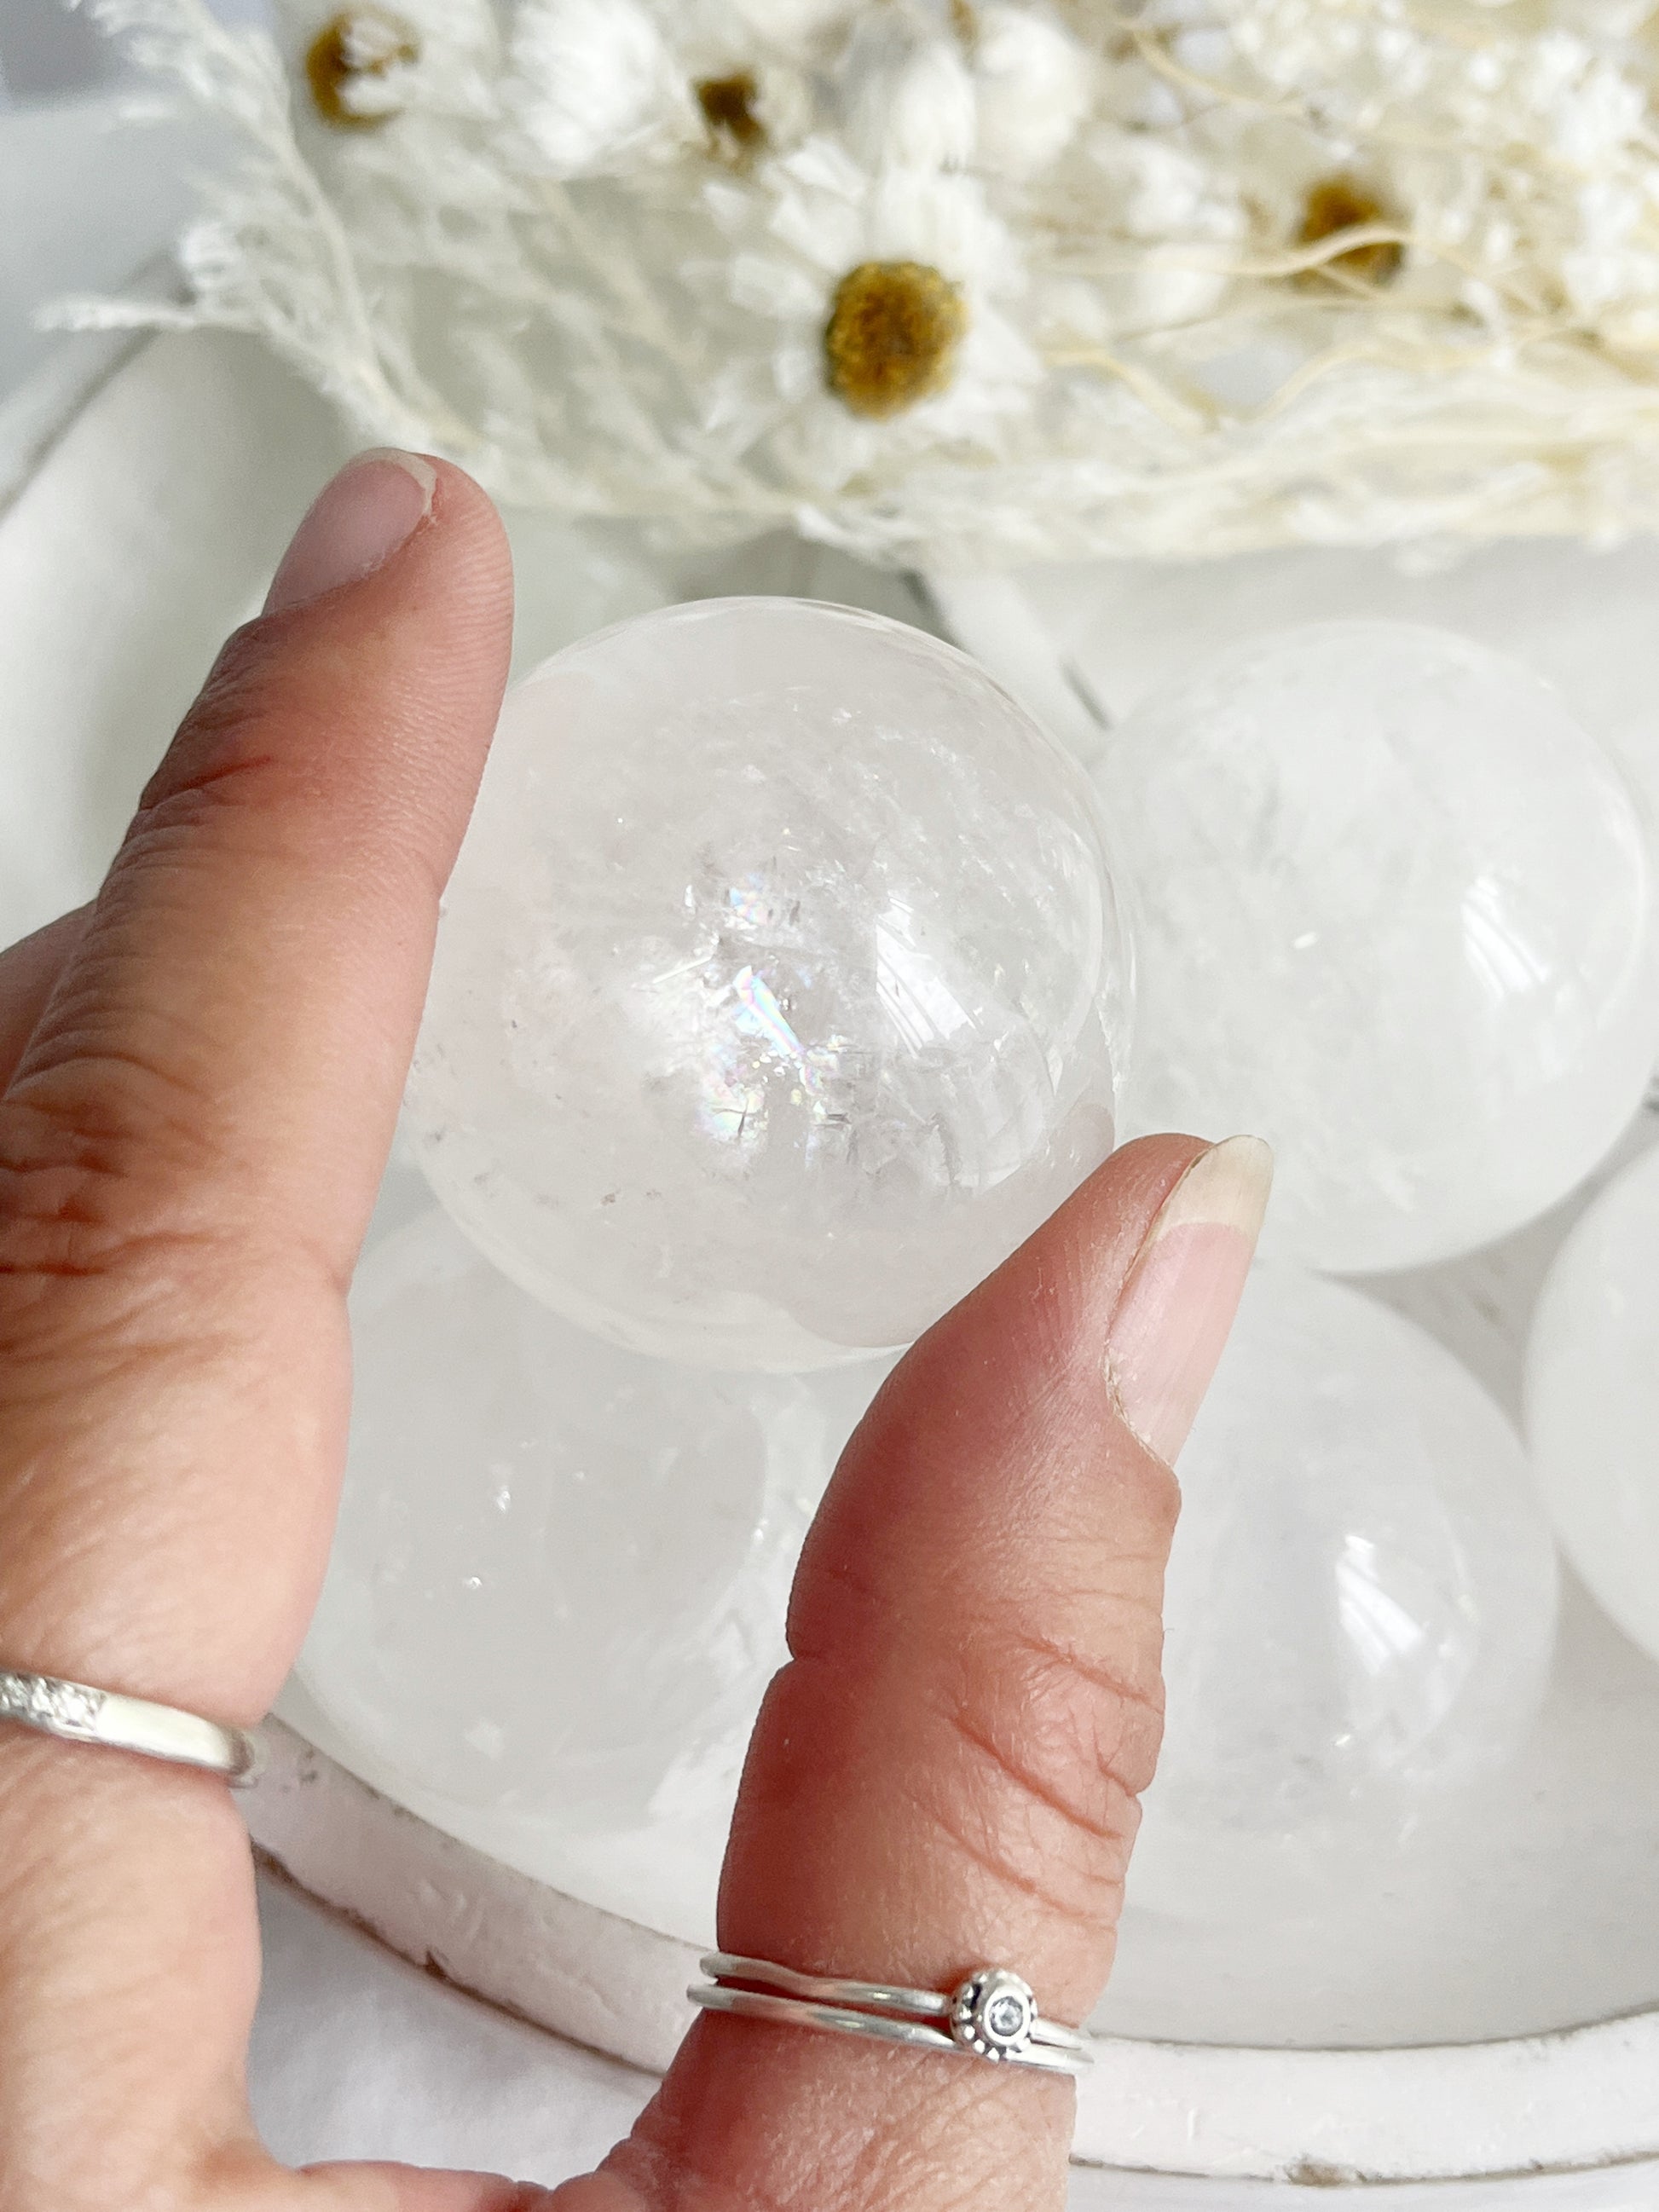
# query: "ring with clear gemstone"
993, 2014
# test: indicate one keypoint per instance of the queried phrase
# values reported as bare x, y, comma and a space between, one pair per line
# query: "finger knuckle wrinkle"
668, 2172
836, 1607
74, 1203
1004, 1836
1067, 1746
175, 824
897, 2155
219, 747
119, 1104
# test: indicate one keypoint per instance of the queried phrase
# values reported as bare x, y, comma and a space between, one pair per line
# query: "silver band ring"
993, 2014
77, 1713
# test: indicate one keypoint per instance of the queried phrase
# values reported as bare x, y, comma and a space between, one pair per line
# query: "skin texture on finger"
946, 1774
190, 1143
28, 975
129, 1967
189, 1147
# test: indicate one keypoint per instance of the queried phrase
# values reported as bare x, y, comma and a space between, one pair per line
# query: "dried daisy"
892, 335
349, 63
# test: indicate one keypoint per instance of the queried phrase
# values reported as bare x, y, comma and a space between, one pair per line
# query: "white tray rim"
1579, 2097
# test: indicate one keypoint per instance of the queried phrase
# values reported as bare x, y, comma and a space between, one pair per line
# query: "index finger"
247, 984
193, 1137
189, 1150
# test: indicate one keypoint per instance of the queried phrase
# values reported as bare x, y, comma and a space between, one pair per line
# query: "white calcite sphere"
1593, 1400
780, 990
1395, 918
559, 1578
1360, 1610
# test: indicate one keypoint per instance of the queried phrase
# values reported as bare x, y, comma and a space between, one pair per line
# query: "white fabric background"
356, 2054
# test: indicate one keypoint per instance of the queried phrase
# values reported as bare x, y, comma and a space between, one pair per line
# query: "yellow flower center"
1338, 204
355, 51
728, 108
892, 335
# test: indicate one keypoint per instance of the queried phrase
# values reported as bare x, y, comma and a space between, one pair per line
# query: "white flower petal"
766, 284
594, 86
828, 235
1034, 84
798, 370
821, 163
907, 101
943, 221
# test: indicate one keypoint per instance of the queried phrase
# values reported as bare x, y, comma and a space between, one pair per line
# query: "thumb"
946, 1774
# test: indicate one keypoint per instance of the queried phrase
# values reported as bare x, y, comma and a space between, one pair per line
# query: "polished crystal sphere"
559, 1578
1395, 918
780, 990
1360, 1609
1593, 1400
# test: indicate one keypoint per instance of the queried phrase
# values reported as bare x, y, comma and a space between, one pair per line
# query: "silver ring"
993, 2014
79, 1714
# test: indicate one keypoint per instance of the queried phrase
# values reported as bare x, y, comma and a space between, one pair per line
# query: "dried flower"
906, 95
1339, 203
1005, 288
596, 87
348, 63
893, 333
728, 108
1034, 84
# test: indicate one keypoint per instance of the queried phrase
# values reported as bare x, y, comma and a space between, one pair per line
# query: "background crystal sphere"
780, 990
1360, 1608
1394, 918
559, 1578
1593, 1400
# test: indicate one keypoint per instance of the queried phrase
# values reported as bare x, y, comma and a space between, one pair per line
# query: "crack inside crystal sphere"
1395, 918
1360, 1609
560, 1573
780, 990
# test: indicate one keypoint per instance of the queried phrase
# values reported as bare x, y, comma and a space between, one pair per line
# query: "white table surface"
356, 2054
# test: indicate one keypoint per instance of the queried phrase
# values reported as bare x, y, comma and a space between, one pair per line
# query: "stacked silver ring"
993, 2014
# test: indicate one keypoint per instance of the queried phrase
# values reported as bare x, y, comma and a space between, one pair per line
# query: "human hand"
199, 1078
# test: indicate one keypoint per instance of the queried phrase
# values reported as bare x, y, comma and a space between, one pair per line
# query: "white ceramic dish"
1497, 2011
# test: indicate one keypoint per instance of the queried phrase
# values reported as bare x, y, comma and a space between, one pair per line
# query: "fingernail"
1173, 1314
354, 524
